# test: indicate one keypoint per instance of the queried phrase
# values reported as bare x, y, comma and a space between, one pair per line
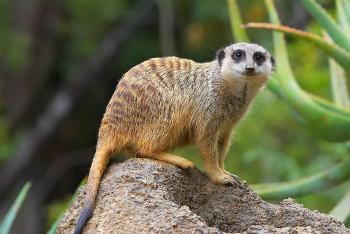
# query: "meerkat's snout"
250, 71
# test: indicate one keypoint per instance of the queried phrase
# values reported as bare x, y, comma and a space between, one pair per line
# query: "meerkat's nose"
249, 69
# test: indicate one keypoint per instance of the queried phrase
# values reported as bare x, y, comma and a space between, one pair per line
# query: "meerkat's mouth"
253, 73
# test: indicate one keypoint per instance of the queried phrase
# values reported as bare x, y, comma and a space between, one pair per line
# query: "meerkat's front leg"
224, 143
209, 151
223, 147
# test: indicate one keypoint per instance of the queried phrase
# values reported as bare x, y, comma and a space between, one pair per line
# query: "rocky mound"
147, 196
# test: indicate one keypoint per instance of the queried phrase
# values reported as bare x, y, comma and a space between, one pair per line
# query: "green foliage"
343, 7
325, 120
322, 122
204, 10
56, 210
269, 144
7, 143
238, 33
311, 71
342, 209
314, 183
339, 86
13, 46
328, 23
86, 25
7, 222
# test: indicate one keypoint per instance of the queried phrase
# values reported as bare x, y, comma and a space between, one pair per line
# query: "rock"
147, 196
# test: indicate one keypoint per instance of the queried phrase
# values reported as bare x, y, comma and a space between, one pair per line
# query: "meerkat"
165, 103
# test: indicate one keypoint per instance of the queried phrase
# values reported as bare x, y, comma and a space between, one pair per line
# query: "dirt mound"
147, 196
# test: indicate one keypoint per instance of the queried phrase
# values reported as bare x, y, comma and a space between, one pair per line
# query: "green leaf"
318, 182
239, 33
7, 222
327, 22
340, 55
341, 210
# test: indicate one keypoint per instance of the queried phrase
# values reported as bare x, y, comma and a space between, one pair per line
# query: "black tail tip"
83, 218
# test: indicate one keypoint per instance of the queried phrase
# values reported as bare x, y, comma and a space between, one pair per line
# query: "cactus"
328, 120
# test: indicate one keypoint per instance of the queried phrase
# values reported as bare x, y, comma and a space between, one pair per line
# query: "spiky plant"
328, 120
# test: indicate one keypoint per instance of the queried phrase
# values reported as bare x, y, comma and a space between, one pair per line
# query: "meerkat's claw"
187, 165
232, 175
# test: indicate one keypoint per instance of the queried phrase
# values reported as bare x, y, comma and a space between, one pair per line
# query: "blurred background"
60, 62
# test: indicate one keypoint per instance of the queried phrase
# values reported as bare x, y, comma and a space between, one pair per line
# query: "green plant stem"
339, 86
53, 228
274, 87
346, 9
343, 15
325, 121
7, 222
340, 55
329, 106
318, 182
239, 34
328, 125
328, 23
342, 209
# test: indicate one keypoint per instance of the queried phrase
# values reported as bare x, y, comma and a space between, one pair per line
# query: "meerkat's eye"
238, 55
259, 58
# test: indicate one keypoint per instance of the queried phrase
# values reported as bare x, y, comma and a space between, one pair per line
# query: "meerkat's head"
245, 61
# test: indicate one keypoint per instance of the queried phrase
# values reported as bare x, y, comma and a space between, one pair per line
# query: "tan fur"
156, 108
165, 103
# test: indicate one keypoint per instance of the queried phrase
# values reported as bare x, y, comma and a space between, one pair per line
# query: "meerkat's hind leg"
178, 161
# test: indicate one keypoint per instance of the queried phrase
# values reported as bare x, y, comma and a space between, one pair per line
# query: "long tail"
98, 166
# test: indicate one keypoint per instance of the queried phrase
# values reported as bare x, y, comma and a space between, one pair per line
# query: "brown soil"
146, 196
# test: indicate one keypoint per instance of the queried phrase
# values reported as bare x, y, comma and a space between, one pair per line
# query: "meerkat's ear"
273, 63
220, 55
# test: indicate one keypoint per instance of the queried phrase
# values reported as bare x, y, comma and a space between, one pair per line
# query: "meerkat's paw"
184, 163
178, 161
221, 178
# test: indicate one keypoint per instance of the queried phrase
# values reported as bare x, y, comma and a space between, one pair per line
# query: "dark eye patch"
238, 55
220, 55
259, 58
